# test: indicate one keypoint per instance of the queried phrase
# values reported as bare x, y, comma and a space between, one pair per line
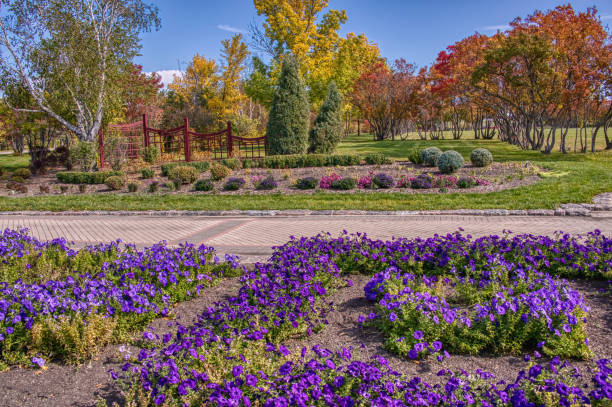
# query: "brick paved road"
252, 237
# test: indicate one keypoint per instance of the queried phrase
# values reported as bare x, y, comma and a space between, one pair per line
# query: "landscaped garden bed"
451, 310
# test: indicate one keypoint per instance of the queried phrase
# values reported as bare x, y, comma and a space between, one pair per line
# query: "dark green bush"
429, 156
344, 184
153, 186
481, 157
326, 131
147, 173
22, 172
75, 177
115, 182
150, 154
82, 188
465, 182
306, 160
204, 185
377, 159
383, 180
450, 161
132, 187
199, 165
306, 183
2, 171
249, 163
184, 174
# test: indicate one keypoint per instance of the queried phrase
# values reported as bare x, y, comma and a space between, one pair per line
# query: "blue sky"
413, 29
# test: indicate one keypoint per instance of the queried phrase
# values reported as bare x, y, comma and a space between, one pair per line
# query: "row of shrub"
449, 161
77, 177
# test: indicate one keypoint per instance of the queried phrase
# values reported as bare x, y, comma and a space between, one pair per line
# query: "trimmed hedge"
199, 165
303, 161
377, 159
76, 177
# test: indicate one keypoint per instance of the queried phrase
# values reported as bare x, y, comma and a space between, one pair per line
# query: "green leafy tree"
288, 123
327, 130
70, 55
259, 86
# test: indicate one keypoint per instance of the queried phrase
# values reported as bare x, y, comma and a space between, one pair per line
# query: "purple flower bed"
122, 283
234, 354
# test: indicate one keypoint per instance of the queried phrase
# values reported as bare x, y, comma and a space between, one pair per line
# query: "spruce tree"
288, 122
327, 130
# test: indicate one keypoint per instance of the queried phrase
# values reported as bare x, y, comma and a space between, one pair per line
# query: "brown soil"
501, 176
84, 385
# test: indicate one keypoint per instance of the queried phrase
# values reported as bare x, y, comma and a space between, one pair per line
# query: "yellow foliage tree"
234, 54
200, 84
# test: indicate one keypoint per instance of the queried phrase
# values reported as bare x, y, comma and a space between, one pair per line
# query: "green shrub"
204, 185
82, 188
75, 177
465, 182
429, 156
147, 173
414, 156
132, 187
308, 160
2, 171
481, 157
184, 174
219, 172
17, 179
83, 154
248, 163
327, 129
153, 186
306, 183
289, 118
199, 165
231, 163
344, 184
22, 172
450, 161
115, 182
377, 159
150, 154
16, 186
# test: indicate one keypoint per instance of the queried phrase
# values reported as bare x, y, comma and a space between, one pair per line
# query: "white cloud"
496, 27
231, 29
168, 75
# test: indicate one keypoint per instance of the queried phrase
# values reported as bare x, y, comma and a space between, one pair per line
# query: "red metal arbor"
182, 144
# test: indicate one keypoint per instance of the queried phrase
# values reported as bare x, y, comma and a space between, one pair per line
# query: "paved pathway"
253, 237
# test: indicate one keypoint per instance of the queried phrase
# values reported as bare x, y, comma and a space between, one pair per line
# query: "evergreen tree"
288, 123
327, 130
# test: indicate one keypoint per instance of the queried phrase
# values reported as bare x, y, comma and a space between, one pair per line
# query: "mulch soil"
501, 176
62, 385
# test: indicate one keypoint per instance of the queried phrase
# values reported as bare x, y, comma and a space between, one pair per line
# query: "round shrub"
22, 172
383, 180
115, 182
204, 185
233, 184
306, 183
132, 187
429, 156
344, 184
481, 157
421, 182
450, 161
219, 172
184, 174
267, 184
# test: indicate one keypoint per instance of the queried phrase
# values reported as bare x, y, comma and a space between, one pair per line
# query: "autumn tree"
69, 54
234, 54
327, 129
288, 123
140, 93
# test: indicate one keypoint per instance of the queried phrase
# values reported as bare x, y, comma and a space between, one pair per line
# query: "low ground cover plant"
63, 304
204, 185
266, 184
147, 173
233, 184
234, 354
201, 166
306, 183
382, 180
115, 182
75, 177
343, 184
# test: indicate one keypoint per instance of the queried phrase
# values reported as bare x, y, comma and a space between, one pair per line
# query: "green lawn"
572, 178
12, 162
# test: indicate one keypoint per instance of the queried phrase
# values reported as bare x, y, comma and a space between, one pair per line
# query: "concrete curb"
585, 210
